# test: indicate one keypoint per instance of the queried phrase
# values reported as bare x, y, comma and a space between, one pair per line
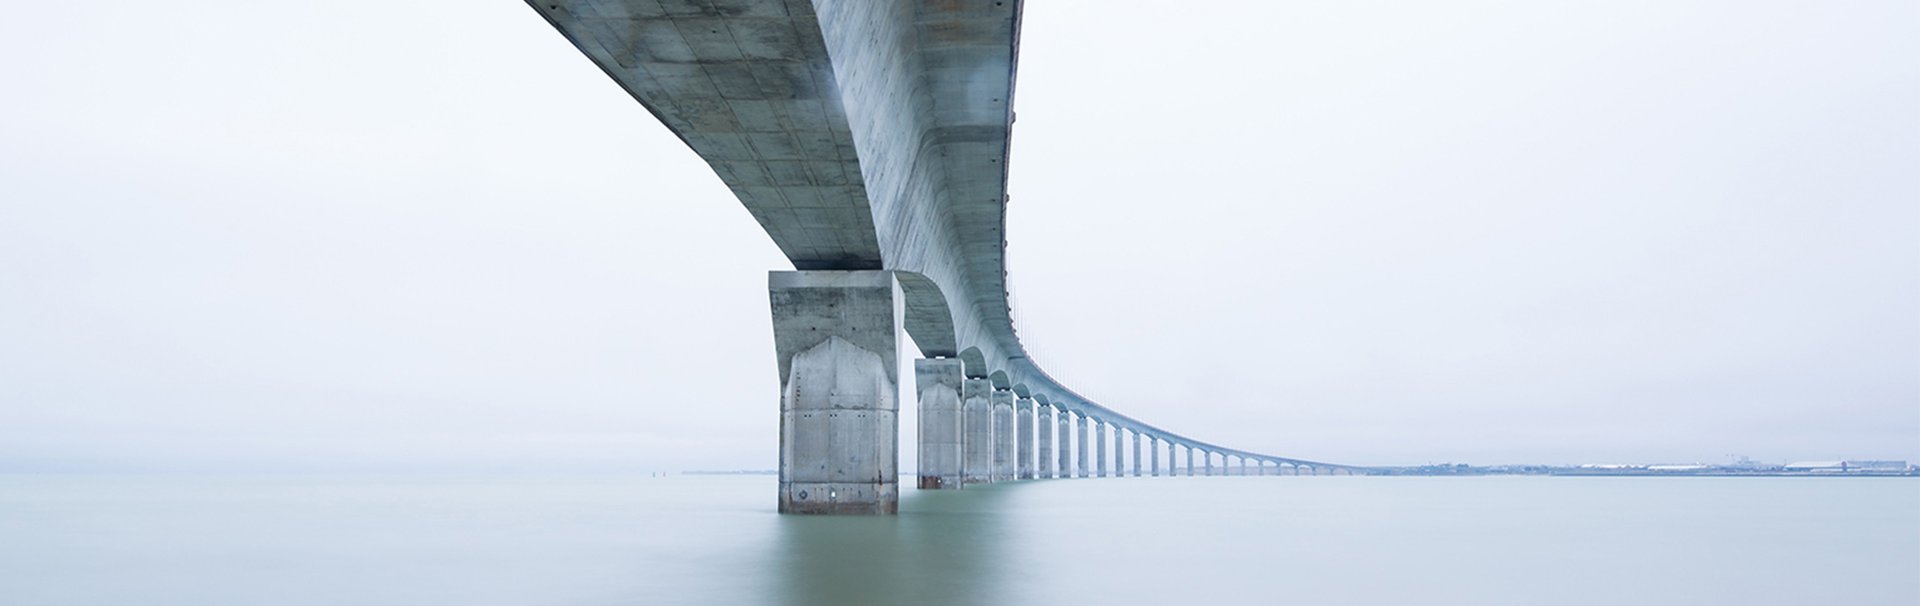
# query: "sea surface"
292, 540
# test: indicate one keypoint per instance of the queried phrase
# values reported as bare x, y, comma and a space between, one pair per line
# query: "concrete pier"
1064, 443
1002, 435
1043, 451
1189, 460
938, 384
1023, 438
976, 418
1207, 457
1153, 446
836, 339
1100, 447
1080, 444
1136, 454
1119, 454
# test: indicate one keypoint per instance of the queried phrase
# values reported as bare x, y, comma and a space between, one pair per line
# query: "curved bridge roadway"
870, 139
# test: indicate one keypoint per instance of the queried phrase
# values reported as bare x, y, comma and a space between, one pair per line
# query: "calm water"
1168, 541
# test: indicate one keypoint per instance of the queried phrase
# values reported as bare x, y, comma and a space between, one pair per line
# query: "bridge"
870, 139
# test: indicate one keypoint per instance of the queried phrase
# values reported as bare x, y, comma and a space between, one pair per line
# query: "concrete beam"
836, 343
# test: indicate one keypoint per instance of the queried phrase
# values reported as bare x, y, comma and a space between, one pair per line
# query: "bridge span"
870, 139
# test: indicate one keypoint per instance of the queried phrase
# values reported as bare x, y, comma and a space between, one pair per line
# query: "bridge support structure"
1080, 443
1023, 438
1002, 435
1063, 441
1135, 461
976, 416
938, 384
1153, 447
1100, 448
1043, 450
836, 341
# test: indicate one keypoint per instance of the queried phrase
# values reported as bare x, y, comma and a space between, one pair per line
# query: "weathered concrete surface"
938, 382
1081, 443
976, 414
1002, 435
1023, 438
1136, 454
1043, 452
1153, 448
1065, 443
835, 338
1100, 448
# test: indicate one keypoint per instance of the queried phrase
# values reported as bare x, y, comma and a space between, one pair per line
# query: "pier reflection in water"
943, 549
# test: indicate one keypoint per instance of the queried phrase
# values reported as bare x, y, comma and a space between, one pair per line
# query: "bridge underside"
870, 140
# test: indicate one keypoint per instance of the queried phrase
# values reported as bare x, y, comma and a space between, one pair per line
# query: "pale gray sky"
432, 235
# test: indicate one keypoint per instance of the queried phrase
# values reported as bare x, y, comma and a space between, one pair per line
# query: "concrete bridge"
870, 139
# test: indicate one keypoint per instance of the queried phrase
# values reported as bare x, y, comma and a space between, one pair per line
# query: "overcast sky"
432, 235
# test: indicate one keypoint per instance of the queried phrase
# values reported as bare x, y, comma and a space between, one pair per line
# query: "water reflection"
936, 551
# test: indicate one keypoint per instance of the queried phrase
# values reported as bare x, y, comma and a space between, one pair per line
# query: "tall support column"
1260, 467
1153, 446
1023, 437
976, 416
1100, 448
836, 341
1080, 444
1207, 456
938, 383
1065, 443
1119, 445
1002, 435
1189, 460
1043, 451
1136, 454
